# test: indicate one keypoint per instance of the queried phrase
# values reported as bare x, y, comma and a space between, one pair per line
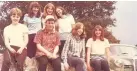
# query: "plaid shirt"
74, 46
48, 40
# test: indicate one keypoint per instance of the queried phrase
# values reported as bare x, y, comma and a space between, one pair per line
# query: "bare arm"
42, 49
88, 56
25, 40
56, 50
107, 52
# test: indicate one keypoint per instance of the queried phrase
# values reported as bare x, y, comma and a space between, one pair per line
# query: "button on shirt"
33, 24
73, 47
48, 40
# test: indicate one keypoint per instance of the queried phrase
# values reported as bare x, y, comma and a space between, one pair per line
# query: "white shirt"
97, 46
15, 34
65, 25
33, 24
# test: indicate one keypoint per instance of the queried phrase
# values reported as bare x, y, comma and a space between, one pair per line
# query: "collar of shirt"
48, 32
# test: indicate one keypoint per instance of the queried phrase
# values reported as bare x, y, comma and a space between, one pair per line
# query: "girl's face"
49, 10
35, 10
80, 30
98, 32
15, 18
59, 12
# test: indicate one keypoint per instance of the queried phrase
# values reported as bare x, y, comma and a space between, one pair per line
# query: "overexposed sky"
126, 25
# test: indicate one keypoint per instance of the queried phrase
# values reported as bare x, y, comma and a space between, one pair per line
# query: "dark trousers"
99, 63
31, 47
61, 46
43, 61
77, 63
16, 59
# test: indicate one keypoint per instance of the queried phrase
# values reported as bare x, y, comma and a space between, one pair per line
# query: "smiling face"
15, 18
49, 10
80, 30
59, 12
50, 24
98, 32
35, 10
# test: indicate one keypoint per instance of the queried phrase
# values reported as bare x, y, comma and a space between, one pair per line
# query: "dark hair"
77, 26
32, 5
64, 12
102, 32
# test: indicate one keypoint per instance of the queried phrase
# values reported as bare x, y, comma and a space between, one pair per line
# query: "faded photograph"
68, 36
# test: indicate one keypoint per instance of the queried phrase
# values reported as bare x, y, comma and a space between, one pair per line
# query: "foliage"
88, 12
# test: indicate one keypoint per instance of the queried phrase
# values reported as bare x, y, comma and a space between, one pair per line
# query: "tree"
88, 12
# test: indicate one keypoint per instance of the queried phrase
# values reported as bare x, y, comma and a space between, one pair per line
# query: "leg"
77, 62
20, 59
43, 61
6, 63
96, 64
56, 63
104, 64
61, 46
31, 47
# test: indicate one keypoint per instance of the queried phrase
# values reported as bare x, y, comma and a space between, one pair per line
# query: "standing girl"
65, 22
49, 10
33, 22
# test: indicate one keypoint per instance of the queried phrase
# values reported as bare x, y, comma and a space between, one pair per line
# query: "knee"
96, 62
81, 62
57, 62
104, 63
42, 61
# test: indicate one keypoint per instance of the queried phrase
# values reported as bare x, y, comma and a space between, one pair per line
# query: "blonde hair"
45, 9
15, 11
77, 26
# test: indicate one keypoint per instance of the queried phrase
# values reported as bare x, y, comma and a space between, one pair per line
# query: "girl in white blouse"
97, 48
65, 23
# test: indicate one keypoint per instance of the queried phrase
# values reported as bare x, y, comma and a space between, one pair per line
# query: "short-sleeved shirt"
33, 24
15, 33
97, 46
48, 40
65, 25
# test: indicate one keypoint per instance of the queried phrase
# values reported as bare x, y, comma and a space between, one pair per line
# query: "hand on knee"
66, 66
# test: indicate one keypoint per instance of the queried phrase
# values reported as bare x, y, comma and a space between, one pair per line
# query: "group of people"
53, 37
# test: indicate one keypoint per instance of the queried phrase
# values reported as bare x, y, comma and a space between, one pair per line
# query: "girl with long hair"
97, 49
33, 21
73, 53
65, 22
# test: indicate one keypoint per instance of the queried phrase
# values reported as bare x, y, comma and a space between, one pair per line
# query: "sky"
126, 25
